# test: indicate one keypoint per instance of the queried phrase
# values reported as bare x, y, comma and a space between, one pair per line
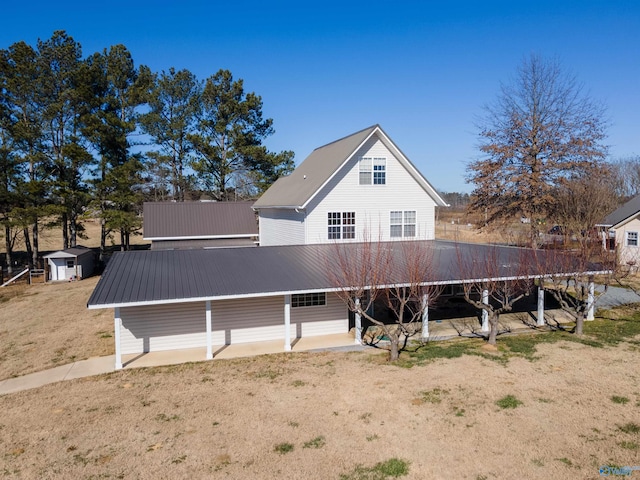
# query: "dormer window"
373, 171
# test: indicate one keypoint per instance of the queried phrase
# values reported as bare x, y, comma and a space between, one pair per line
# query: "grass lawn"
542, 406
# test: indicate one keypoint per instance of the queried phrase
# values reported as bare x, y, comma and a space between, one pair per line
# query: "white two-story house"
361, 187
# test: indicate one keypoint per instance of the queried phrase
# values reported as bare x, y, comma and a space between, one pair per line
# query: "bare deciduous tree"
541, 130
505, 279
389, 274
581, 203
573, 286
627, 175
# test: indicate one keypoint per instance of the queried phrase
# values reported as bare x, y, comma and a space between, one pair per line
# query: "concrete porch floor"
438, 330
238, 350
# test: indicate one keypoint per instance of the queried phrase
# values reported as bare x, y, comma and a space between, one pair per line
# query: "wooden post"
540, 322
591, 300
425, 317
117, 324
209, 354
485, 314
287, 323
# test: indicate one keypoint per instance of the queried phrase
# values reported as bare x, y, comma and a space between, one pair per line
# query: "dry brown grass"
224, 419
50, 239
45, 325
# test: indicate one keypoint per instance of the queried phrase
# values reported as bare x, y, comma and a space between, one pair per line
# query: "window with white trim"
632, 239
341, 225
308, 300
71, 263
402, 224
373, 171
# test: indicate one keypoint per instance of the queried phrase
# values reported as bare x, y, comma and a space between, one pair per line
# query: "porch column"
287, 323
540, 322
117, 321
358, 323
209, 354
591, 300
425, 317
485, 314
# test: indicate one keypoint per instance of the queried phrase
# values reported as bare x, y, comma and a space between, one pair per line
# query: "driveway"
615, 296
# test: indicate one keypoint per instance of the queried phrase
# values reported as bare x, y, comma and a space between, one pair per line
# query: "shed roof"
174, 276
175, 220
622, 214
298, 188
73, 252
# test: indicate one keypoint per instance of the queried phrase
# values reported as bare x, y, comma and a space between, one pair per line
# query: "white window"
308, 300
373, 171
402, 224
71, 264
632, 239
341, 225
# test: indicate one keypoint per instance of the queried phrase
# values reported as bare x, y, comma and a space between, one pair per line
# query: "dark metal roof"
296, 189
174, 220
148, 277
629, 209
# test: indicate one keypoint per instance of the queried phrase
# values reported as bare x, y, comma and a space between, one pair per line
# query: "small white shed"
73, 263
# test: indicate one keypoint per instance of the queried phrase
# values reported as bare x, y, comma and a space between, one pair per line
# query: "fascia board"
202, 237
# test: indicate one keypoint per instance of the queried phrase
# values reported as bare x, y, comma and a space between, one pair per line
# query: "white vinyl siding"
371, 205
281, 227
162, 327
183, 325
625, 237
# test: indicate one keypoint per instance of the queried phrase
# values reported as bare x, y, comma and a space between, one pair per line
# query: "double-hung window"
341, 225
402, 224
373, 171
632, 239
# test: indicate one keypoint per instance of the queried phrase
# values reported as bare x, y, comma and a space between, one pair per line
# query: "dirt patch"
320, 415
45, 325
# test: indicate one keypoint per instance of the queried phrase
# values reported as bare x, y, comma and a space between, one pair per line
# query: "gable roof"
622, 214
303, 184
154, 277
73, 252
198, 220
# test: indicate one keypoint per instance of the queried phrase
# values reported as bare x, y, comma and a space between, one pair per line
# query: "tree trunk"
493, 329
36, 248
73, 230
27, 245
394, 351
65, 231
122, 240
103, 241
579, 324
8, 250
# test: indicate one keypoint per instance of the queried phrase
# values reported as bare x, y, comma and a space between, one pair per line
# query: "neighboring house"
359, 186
622, 229
73, 263
179, 225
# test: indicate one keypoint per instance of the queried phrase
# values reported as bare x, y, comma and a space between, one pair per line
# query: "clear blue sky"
421, 69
